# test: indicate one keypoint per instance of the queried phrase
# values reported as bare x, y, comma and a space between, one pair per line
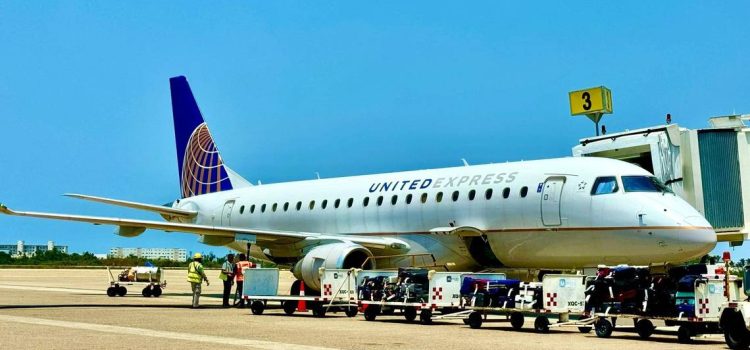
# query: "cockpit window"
604, 185
643, 184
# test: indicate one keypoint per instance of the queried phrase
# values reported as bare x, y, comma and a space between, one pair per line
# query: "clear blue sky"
291, 88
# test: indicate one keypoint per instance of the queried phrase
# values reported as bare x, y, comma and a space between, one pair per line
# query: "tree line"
59, 258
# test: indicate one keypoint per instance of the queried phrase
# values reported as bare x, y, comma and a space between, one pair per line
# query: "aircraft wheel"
410, 313
603, 328
516, 320
425, 317
475, 320
541, 324
644, 328
257, 307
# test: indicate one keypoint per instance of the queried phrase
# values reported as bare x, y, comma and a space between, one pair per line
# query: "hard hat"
197, 256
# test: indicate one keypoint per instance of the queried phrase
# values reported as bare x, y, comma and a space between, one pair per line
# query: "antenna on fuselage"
259, 183
317, 174
465, 162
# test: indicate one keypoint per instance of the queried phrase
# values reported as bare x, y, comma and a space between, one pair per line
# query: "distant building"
22, 249
174, 254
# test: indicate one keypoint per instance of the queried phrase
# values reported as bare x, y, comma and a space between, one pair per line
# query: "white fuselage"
558, 223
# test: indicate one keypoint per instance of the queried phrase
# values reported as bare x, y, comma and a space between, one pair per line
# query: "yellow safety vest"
195, 272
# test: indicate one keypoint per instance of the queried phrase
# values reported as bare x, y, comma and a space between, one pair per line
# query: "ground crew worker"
227, 275
240, 277
196, 276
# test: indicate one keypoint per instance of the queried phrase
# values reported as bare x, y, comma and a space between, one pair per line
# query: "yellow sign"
596, 100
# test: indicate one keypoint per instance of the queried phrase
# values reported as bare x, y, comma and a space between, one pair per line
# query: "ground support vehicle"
150, 278
563, 300
708, 301
339, 292
443, 296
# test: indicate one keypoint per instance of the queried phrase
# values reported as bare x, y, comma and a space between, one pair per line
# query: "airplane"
548, 214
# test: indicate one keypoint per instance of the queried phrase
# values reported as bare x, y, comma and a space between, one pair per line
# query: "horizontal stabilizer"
164, 211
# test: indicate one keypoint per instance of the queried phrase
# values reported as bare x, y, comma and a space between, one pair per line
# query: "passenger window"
286, 206
380, 200
506, 192
273, 208
299, 205
242, 209
336, 203
455, 195
408, 198
366, 201
604, 185
252, 209
488, 194
324, 204
394, 199
524, 191
424, 198
263, 208
312, 205
439, 197
472, 194
350, 202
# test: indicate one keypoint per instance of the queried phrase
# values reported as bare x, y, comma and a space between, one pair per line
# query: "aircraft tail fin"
200, 165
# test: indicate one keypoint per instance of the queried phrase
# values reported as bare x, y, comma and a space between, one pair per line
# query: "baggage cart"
703, 323
150, 278
562, 299
443, 295
338, 292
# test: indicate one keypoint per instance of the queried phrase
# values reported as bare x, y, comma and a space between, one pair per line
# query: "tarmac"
68, 309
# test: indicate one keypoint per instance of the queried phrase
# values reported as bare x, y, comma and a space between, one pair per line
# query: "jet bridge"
709, 168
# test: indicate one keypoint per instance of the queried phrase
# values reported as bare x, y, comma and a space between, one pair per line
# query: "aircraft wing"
134, 227
166, 212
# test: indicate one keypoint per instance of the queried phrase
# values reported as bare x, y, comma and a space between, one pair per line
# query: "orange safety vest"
241, 266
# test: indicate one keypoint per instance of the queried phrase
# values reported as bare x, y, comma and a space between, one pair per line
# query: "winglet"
5, 210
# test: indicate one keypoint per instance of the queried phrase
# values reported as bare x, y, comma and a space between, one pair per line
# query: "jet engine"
331, 256
129, 231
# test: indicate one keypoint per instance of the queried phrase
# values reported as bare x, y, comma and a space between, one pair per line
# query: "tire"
121, 291
425, 317
516, 320
685, 334
371, 312
644, 328
475, 320
294, 290
410, 313
156, 292
257, 307
146, 292
290, 306
736, 334
541, 324
584, 330
603, 328
111, 292
319, 310
351, 311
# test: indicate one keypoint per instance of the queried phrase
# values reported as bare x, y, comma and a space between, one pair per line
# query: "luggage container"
698, 315
150, 277
443, 294
338, 292
562, 298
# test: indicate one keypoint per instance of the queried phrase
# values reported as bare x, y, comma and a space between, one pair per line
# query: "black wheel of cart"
371, 311
516, 320
584, 330
146, 292
351, 311
475, 320
603, 328
425, 317
735, 332
156, 292
257, 307
644, 328
685, 334
121, 291
410, 313
319, 310
290, 306
541, 324
111, 291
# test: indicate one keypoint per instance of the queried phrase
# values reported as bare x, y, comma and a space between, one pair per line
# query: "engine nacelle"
215, 240
331, 256
129, 231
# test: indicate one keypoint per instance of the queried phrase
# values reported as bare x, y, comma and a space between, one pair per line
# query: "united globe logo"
202, 167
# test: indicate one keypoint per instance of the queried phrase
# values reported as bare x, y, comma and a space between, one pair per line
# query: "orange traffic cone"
301, 304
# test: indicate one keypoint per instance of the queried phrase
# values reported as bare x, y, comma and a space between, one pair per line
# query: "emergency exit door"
551, 193
226, 214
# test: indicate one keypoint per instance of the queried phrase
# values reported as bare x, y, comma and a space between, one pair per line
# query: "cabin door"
551, 193
226, 214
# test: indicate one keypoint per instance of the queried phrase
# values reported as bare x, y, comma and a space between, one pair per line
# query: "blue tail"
199, 162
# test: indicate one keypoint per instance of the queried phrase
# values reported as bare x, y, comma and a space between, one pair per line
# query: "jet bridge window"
455, 196
524, 191
324, 204
604, 185
643, 184
472, 194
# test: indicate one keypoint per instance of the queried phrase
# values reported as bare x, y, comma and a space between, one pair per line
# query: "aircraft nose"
699, 237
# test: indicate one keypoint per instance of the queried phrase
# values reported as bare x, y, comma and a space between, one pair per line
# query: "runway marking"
258, 344
51, 289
